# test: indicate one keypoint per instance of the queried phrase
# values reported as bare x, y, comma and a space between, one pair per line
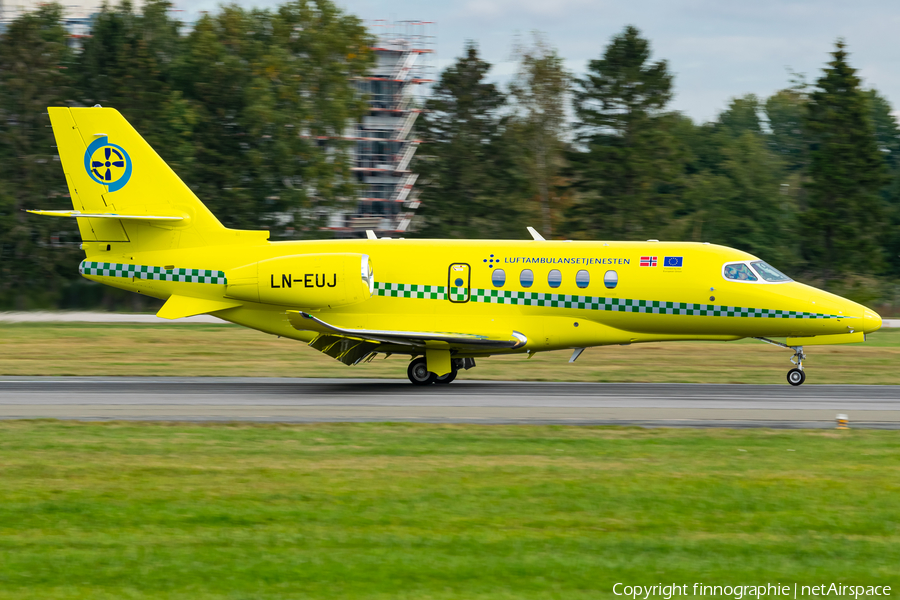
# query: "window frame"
616, 284
550, 283
586, 283
759, 274
759, 278
521, 282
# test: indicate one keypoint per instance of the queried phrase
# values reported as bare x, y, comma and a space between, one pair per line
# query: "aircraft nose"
871, 321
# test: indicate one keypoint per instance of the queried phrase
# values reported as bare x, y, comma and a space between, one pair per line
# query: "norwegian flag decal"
648, 261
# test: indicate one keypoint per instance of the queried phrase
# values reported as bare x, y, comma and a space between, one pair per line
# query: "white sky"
717, 49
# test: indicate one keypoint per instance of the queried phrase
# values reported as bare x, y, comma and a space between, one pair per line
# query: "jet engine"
311, 281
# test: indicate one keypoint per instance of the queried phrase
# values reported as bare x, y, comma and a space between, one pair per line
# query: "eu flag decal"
673, 261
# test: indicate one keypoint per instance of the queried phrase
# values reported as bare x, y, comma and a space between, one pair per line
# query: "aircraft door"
458, 283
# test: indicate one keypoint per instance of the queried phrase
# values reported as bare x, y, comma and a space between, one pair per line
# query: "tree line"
808, 179
236, 105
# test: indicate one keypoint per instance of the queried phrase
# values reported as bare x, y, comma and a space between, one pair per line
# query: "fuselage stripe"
406, 290
105, 269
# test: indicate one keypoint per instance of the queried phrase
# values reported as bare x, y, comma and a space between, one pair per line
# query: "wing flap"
347, 350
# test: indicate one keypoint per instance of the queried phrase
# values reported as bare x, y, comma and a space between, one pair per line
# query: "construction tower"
384, 141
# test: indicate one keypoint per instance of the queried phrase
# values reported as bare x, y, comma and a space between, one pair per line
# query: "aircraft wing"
351, 346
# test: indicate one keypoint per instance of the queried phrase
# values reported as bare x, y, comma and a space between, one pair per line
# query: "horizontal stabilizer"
93, 215
177, 307
306, 322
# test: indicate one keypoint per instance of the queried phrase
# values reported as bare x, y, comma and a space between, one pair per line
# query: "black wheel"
796, 377
418, 372
447, 378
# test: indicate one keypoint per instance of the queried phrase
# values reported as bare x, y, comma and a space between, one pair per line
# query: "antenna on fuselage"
370, 235
535, 235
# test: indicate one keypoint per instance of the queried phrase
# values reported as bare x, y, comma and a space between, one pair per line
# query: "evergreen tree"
540, 91
843, 216
887, 134
786, 113
886, 129
629, 158
757, 216
36, 254
733, 192
469, 162
741, 116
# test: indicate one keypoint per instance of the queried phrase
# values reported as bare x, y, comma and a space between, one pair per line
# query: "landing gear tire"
445, 379
796, 377
418, 372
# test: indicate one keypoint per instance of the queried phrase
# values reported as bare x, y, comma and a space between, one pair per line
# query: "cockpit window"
739, 272
768, 272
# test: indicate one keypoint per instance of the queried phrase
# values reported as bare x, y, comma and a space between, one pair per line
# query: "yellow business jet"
444, 303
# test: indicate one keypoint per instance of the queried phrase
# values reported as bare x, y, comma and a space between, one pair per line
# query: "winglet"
534, 234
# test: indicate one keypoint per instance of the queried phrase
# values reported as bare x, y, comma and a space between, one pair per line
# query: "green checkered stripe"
458, 294
411, 290
634, 306
659, 307
156, 273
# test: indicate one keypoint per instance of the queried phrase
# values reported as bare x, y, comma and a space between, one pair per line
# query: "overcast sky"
717, 49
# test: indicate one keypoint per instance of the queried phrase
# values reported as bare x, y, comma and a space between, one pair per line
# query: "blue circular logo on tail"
107, 164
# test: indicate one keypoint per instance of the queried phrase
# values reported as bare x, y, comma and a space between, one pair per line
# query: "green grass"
426, 511
221, 350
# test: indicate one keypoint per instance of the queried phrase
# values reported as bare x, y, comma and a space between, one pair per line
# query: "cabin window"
610, 279
498, 277
526, 278
768, 272
582, 278
739, 272
554, 278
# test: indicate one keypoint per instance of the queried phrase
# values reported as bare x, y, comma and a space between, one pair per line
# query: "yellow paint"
828, 340
398, 285
438, 361
178, 307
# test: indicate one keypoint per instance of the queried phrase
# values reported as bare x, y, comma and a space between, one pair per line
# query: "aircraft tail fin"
122, 191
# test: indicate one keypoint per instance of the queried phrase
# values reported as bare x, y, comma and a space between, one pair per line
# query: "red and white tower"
384, 141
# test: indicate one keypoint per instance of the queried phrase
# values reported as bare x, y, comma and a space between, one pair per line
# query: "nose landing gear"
797, 375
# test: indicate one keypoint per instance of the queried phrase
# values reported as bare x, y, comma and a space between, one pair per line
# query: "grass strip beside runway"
425, 511
226, 350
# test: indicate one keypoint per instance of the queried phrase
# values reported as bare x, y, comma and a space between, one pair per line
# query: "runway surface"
315, 400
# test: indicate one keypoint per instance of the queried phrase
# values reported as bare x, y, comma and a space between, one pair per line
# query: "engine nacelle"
310, 281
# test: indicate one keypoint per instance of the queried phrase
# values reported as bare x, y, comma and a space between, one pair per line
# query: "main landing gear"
797, 375
419, 374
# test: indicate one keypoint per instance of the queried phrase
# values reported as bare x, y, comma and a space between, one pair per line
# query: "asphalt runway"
323, 400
